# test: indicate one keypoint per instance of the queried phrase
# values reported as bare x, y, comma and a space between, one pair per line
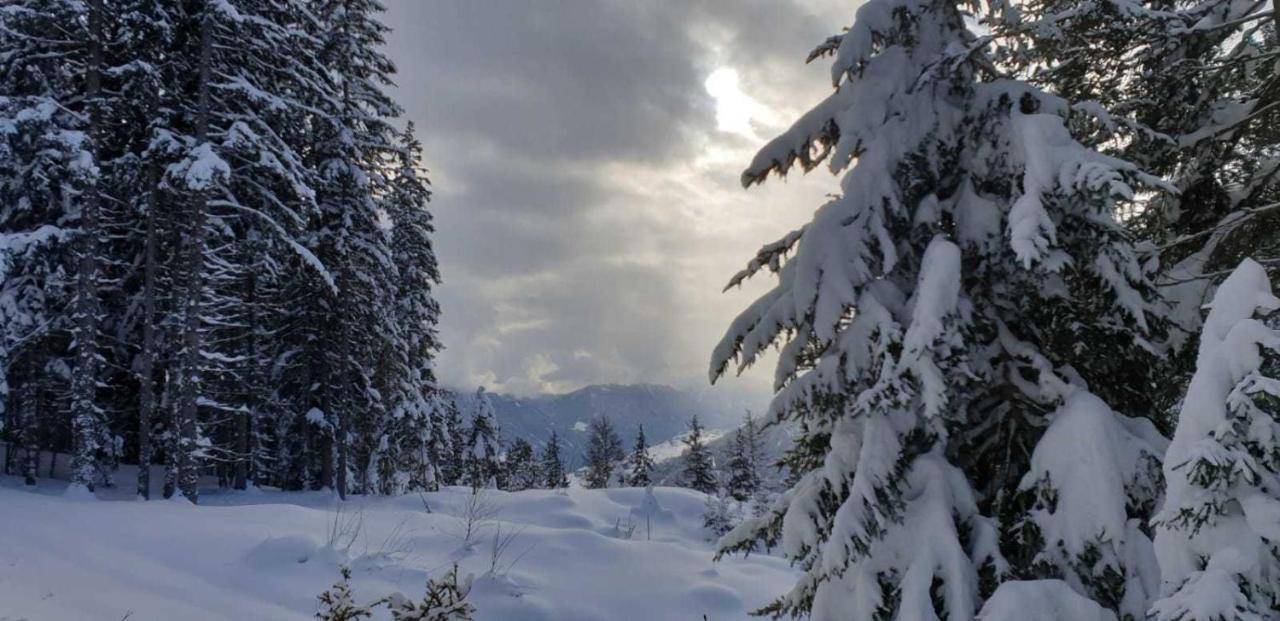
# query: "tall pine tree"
699, 463
743, 463
640, 465
604, 451
484, 453
553, 469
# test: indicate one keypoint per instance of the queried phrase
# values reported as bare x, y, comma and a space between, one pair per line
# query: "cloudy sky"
585, 158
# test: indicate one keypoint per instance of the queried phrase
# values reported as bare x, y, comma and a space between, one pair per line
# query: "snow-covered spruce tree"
484, 453
367, 371
969, 278
408, 444
1184, 90
1210, 85
438, 441
553, 471
640, 465
264, 99
454, 457
523, 470
1094, 478
41, 152
415, 259
410, 377
1218, 532
402, 459
445, 600
699, 464
240, 174
743, 480
604, 452
252, 80
54, 60
717, 514
139, 224
407, 455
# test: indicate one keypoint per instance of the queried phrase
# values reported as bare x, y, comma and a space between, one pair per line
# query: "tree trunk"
339, 404
30, 440
30, 462
85, 419
326, 464
147, 359
193, 268
253, 390
240, 469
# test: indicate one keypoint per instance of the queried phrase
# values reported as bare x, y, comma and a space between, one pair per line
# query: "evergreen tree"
439, 442
38, 161
484, 467
239, 175
553, 472
641, 463
410, 381
970, 277
604, 451
1178, 89
358, 315
523, 470
170, 173
1217, 539
717, 516
1088, 507
1179, 85
699, 465
338, 603
404, 458
54, 61
454, 466
743, 464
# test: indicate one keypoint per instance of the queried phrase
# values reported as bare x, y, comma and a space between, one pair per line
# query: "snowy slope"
263, 556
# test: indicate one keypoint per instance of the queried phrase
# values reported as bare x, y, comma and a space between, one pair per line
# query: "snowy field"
266, 555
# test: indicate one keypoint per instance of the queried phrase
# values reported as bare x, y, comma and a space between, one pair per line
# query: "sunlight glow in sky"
735, 110
586, 166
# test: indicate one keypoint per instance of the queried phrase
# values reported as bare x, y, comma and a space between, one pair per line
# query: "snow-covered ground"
266, 555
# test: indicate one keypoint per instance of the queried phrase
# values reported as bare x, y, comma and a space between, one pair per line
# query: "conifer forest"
400, 309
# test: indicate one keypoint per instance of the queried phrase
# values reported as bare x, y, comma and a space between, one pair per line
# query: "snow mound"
1041, 600
713, 597
278, 551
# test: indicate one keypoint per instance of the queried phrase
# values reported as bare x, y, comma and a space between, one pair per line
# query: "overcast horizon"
585, 160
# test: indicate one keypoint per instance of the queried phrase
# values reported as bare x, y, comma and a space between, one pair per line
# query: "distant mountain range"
664, 411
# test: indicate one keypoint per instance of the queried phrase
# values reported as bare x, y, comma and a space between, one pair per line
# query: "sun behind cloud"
735, 110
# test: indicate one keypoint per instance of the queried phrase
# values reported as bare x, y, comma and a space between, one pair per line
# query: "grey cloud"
599, 323
561, 135
555, 80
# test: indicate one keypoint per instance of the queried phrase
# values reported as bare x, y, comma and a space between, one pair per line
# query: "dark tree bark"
147, 359
85, 419
193, 269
